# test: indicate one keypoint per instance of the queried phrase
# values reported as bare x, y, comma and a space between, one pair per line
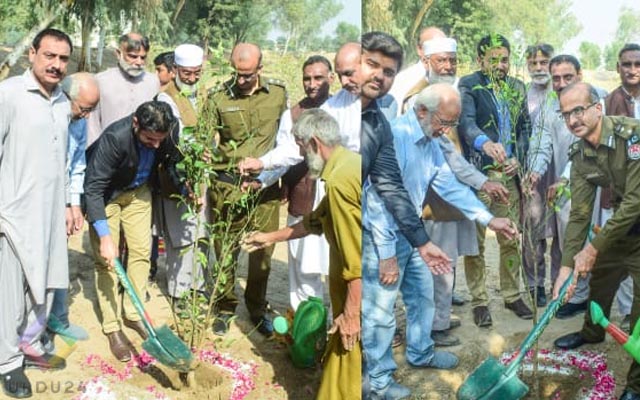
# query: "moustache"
54, 71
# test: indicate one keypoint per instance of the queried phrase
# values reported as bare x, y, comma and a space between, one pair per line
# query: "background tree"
345, 32
628, 31
590, 54
301, 20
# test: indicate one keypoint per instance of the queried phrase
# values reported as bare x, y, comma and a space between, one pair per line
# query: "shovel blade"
168, 349
481, 380
509, 387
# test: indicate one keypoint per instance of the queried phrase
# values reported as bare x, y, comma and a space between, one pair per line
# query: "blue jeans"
378, 323
60, 307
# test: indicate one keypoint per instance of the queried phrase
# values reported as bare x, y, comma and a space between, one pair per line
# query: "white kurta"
345, 107
33, 147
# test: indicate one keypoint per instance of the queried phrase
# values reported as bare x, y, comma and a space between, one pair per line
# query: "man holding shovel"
607, 154
116, 187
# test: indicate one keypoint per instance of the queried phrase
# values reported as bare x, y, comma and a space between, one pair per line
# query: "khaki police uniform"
616, 163
247, 127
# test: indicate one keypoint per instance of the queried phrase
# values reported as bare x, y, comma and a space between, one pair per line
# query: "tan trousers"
510, 260
132, 211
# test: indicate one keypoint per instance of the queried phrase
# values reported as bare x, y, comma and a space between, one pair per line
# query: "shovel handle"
539, 327
128, 287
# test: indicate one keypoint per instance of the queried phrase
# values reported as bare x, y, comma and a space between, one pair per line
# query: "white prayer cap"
188, 55
439, 45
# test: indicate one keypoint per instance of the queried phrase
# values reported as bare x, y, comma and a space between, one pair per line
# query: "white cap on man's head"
439, 45
188, 55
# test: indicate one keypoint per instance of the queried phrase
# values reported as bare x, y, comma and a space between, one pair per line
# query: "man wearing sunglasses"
494, 131
248, 107
606, 154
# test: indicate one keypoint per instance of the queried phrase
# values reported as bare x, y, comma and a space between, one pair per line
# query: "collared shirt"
636, 103
76, 159
120, 96
616, 163
33, 148
422, 163
338, 216
146, 158
345, 107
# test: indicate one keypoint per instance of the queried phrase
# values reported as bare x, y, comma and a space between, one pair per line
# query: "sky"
599, 20
351, 12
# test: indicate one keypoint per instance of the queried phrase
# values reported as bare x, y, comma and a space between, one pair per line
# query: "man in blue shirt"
82, 91
395, 265
117, 194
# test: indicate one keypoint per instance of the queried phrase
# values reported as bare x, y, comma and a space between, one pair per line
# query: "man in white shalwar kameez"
34, 116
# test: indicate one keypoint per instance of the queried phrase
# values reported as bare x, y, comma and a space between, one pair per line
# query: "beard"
540, 78
434, 78
427, 129
315, 164
132, 71
186, 88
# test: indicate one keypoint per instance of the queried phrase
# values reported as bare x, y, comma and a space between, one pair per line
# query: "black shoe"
16, 384
520, 309
221, 323
444, 339
457, 300
569, 310
264, 325
46, 362
541, 298
572, 341
629, 395
481, 316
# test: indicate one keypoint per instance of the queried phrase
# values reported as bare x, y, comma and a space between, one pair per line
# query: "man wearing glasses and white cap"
182, 95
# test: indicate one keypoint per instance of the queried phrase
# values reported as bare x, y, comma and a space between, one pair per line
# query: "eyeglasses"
246, 77
577, 112
444, 123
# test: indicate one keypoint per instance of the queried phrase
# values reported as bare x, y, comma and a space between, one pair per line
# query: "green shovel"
492, 380
162, 343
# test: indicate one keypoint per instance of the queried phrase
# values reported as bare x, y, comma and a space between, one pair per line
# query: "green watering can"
630, 343
162, 343
492, 380
309, 333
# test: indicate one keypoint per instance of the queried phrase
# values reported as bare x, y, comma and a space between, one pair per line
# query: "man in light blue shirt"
391, 264
82, 91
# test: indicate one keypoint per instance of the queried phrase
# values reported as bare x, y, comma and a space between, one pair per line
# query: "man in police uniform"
608, 154
248, 108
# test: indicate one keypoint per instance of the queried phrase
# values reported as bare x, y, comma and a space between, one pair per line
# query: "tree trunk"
12, 58
100, 50
84, 63
286, 43
416, 22
177, 11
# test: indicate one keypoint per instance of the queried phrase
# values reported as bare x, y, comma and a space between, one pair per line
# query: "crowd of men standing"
401, 171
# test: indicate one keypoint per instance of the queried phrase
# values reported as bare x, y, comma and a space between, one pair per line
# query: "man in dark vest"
182, 95
309, 256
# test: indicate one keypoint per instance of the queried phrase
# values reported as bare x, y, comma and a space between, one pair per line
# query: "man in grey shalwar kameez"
34, 116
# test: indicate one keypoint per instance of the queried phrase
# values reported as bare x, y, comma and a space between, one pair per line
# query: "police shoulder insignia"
277, 82
633, 148
573, 149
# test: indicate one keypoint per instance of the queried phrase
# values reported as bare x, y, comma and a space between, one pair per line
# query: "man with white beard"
539, 96
184, 272
440, 63
123, 88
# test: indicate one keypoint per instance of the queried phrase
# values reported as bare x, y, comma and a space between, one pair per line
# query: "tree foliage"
522, 22
628, 31
590, 54
300, 20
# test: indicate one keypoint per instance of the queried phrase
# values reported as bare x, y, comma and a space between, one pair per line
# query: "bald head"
246, 53
82, 89
246, 59
428, 33
582, 90
347, 65
441, 101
